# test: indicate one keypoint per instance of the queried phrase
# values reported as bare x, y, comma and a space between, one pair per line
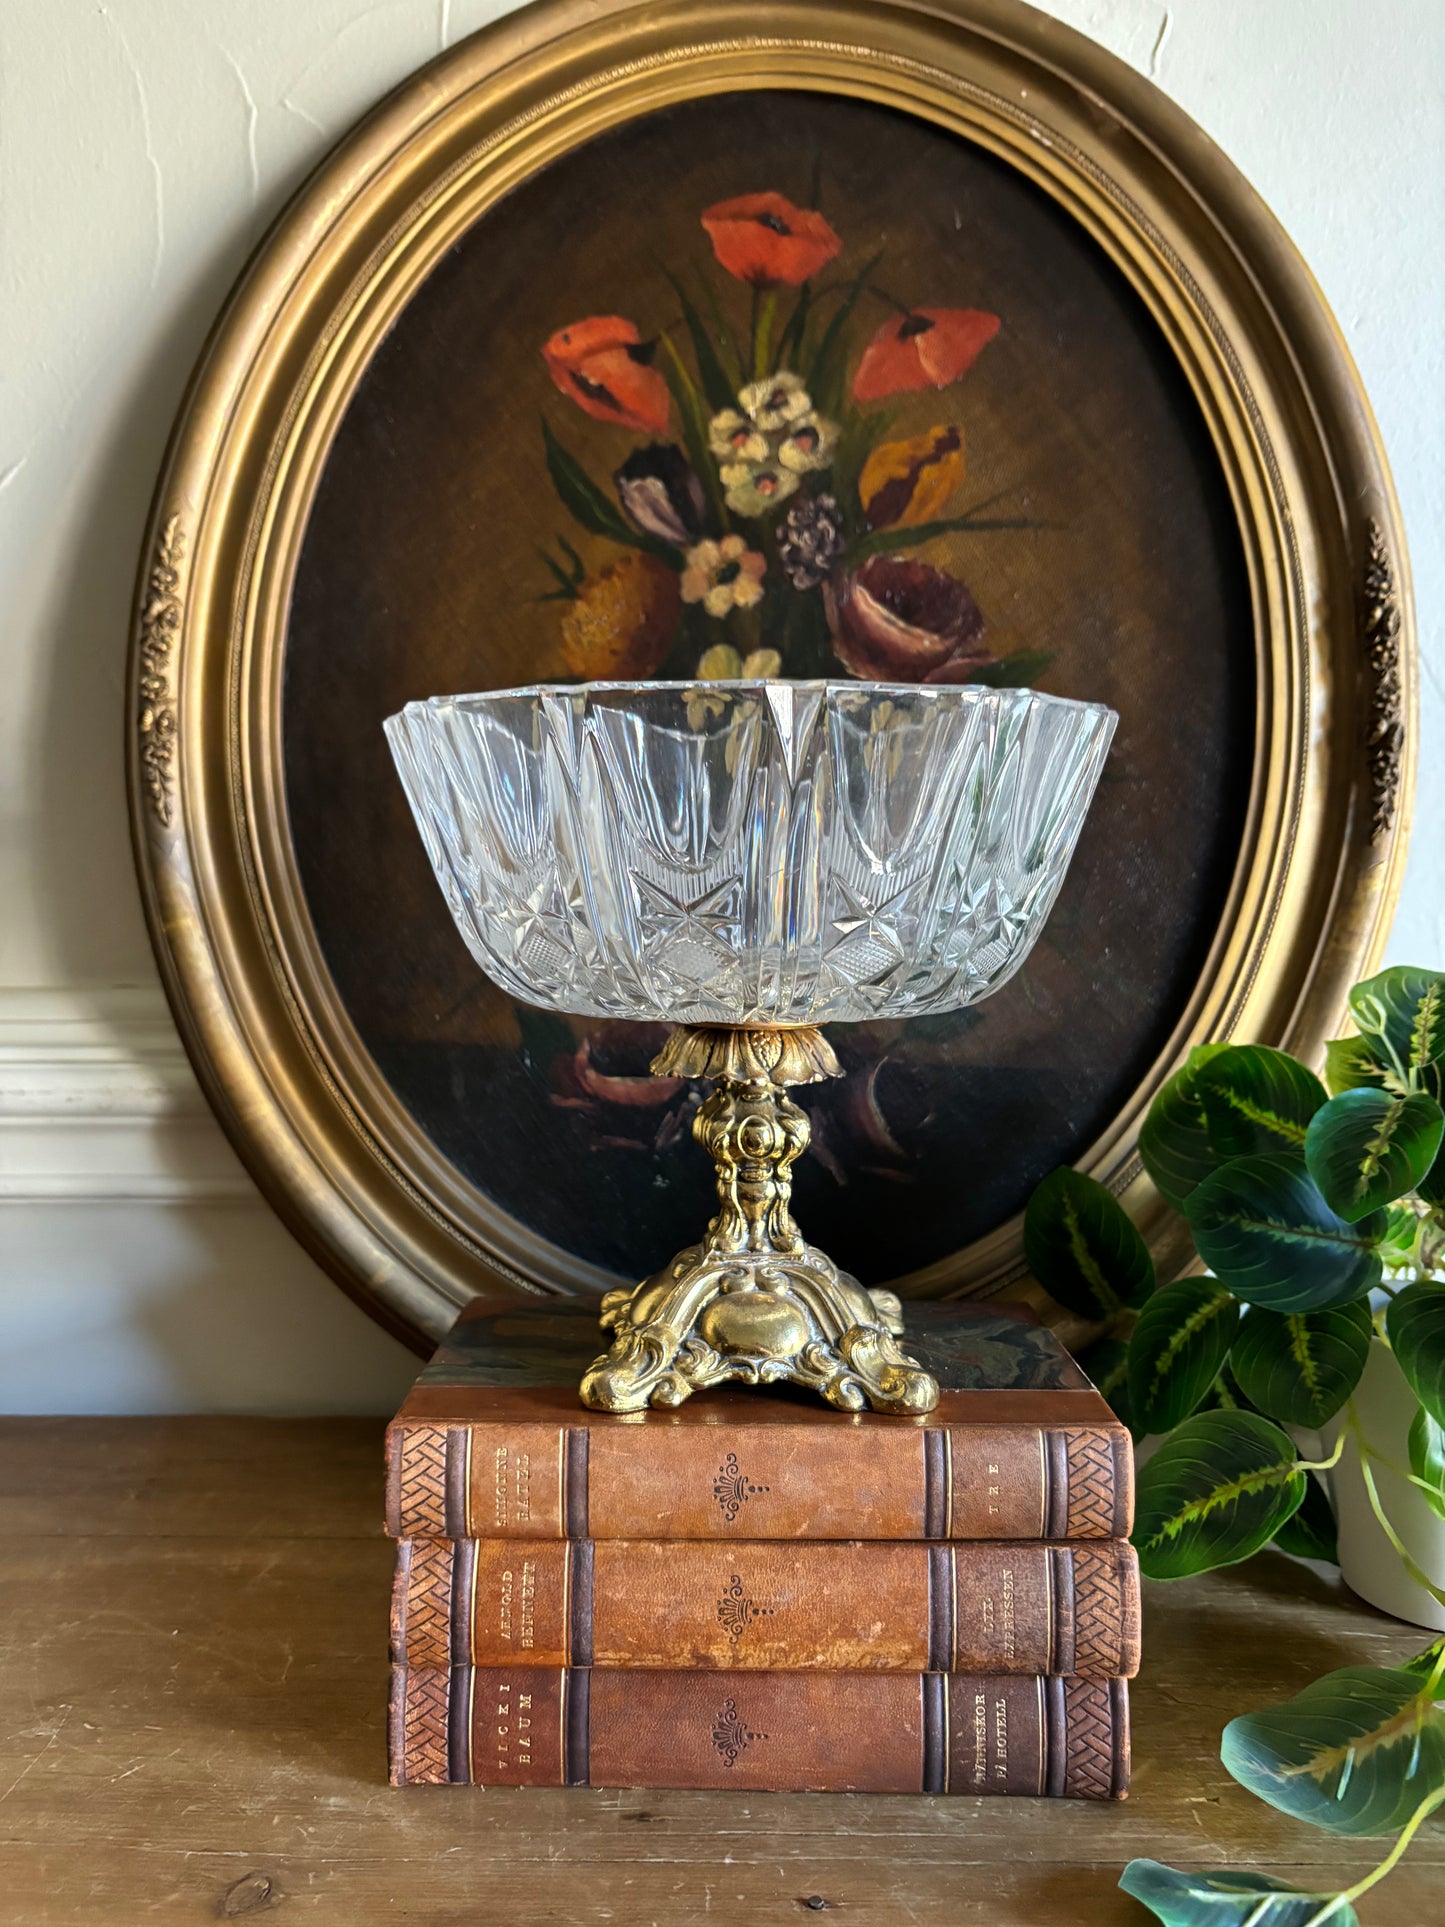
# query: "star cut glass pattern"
761, 853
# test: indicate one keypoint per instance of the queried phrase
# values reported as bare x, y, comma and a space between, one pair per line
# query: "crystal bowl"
750, 853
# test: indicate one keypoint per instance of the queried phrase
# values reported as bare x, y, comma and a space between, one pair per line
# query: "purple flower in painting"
895, 620
810, 540
661, 494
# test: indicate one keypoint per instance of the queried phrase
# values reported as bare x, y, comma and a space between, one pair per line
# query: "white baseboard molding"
98, 1102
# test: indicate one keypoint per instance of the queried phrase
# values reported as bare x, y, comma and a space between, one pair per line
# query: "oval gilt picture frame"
1166, 493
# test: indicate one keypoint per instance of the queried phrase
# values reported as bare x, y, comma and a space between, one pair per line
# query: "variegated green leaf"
1415, 1322
1174, 1139
1083, 1248
1263, 1229
1427, 1459
1351, 1065
1357, 1751
1300, 1367
1311, 1533
1367, 1148
1106, 1362
1256, 1100
1402, 1012
1198, 1899
1176, 1350
1219, 1487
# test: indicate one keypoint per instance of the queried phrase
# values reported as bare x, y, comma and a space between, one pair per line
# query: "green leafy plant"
1318, 1213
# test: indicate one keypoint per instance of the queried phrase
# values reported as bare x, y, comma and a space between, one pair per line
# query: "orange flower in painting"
605, 366
926, 348
764, 239
908, 482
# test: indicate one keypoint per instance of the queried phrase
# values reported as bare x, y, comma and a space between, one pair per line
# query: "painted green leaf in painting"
1219, 1487
1300, 1367
1427, 1459
720, 393
1357, 1751
1174, 1138
1366, 1148
1415, 1323
1311, 1532
1083, 1248
1262, 1227
1402, 1012
1197, 1899
595, 511
1255, 1099
1176, 1350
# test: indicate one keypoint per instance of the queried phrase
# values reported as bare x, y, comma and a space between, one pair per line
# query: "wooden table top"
193, 1673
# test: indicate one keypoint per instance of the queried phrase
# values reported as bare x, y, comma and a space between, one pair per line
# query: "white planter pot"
1369, 1564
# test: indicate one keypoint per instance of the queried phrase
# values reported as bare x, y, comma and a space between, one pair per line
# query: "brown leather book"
492, 1442
767, 1606
760, 1732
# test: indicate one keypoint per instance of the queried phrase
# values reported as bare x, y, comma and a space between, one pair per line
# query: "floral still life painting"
769, 524
767, 384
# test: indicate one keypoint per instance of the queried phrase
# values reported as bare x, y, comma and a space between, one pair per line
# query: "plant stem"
1324, 1465
1391, 1860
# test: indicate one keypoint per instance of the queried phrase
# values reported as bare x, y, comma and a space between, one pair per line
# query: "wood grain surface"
193, 1630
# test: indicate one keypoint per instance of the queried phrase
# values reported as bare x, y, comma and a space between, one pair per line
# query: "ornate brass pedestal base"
753, 1301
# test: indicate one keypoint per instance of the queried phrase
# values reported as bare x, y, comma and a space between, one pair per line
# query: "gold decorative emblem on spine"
1380, 634
160, 624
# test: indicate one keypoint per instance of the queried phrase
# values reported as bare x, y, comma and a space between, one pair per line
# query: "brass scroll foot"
753, 1302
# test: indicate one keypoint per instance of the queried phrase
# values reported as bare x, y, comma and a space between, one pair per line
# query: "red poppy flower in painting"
764, 239
605, 366
926, 348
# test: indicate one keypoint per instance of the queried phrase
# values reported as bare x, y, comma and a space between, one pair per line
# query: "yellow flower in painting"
723, 663
623, 620
907, 482
723, 575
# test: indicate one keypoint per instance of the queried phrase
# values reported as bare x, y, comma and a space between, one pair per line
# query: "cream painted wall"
145, 145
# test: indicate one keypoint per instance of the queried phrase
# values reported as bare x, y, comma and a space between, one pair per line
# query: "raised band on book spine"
941, 1609
457, 1482
579, 1602
574, 1482
1056, 1485
577, 1727
935, 1733
1064, 1640
935, 1485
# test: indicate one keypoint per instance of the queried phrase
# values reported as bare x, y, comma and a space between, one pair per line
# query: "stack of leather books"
756, 1591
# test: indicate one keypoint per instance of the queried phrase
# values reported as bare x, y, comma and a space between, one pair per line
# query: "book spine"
760, 1732
761, 1606
535, 1481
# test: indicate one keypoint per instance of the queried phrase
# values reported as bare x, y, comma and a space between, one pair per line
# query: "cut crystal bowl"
750, 853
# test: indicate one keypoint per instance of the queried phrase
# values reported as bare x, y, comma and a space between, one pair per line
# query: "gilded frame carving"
1328, 813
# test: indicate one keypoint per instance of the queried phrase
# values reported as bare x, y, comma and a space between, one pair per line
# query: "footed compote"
746, 862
